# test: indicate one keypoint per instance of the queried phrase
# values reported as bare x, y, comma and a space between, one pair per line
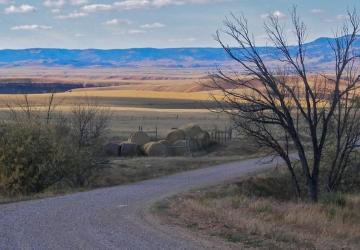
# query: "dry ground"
255, 212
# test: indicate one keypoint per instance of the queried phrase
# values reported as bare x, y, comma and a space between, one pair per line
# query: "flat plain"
153, 99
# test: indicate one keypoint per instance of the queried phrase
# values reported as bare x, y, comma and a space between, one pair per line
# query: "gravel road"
109, 218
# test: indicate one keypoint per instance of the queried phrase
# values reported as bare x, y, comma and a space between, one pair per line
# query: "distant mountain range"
319, 54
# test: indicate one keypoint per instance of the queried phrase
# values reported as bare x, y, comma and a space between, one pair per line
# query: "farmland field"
152, 98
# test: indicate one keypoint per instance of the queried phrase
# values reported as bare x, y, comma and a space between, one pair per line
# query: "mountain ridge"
319, 51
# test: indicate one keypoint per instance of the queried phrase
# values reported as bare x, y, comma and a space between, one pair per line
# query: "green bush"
30, 158
36, 154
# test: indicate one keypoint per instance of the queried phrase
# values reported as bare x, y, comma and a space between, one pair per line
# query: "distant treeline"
35, 88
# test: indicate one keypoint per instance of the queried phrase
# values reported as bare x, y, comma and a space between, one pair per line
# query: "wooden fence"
219, 136
222, 136
152, 133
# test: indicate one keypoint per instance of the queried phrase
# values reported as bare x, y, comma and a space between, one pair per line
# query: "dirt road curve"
108, 218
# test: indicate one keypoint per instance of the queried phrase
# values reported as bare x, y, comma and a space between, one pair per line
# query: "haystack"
175, 135
112, 149
191, 130
183, 147
156, 149
202, 140
165, 142
140, 138
179, 148
128, 149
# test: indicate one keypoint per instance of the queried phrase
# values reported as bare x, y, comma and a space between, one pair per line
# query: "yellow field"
130, 109
147, 97
203, 96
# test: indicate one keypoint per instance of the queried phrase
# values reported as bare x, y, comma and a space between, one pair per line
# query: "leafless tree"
286, 107
24, 109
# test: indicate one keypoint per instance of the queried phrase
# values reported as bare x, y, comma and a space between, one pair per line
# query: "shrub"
36, 154
30, 158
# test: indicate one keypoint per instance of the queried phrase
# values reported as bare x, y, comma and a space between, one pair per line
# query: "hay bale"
191, 130
178, 148
175, 135
183, 147
165, 142
203, 140
140, 138
112, 149
156, 149
128, 149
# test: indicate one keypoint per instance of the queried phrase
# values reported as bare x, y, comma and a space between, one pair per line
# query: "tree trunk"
313, 190
293, 176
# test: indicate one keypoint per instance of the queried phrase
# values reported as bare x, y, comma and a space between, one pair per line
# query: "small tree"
283, 106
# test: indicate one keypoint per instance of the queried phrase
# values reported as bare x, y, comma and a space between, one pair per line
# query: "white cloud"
276, 13
24, 8
72, 15
137, 31
97, 7
152, 25
132, 4
140, 4
31, 27
78, 2
54, 3
55, 11
136, 4
116, 21
79, 35
317, 11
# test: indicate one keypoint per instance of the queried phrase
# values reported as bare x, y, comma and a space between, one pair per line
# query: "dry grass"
250, 216
141, 94
155, 79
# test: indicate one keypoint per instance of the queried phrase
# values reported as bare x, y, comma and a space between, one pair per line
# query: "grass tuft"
258, 212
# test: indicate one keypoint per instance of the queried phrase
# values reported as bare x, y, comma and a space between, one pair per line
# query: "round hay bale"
112, 149
140, 138
183, 147
156, 149
203, 140
178, 148
191, 130
128, 149
165, 142
175, 135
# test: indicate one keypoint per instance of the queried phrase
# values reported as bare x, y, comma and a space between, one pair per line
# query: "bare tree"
284, 106
25, 110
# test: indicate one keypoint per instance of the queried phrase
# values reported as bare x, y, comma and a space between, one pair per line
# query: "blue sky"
149, 23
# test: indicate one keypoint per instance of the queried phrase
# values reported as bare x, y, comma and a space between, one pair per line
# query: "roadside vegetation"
260, 211
46, 150
40, 148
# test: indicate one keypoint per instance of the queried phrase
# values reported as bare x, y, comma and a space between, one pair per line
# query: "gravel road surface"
109, 218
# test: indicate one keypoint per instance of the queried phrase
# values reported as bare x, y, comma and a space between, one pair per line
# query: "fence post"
156, 132
187, 145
